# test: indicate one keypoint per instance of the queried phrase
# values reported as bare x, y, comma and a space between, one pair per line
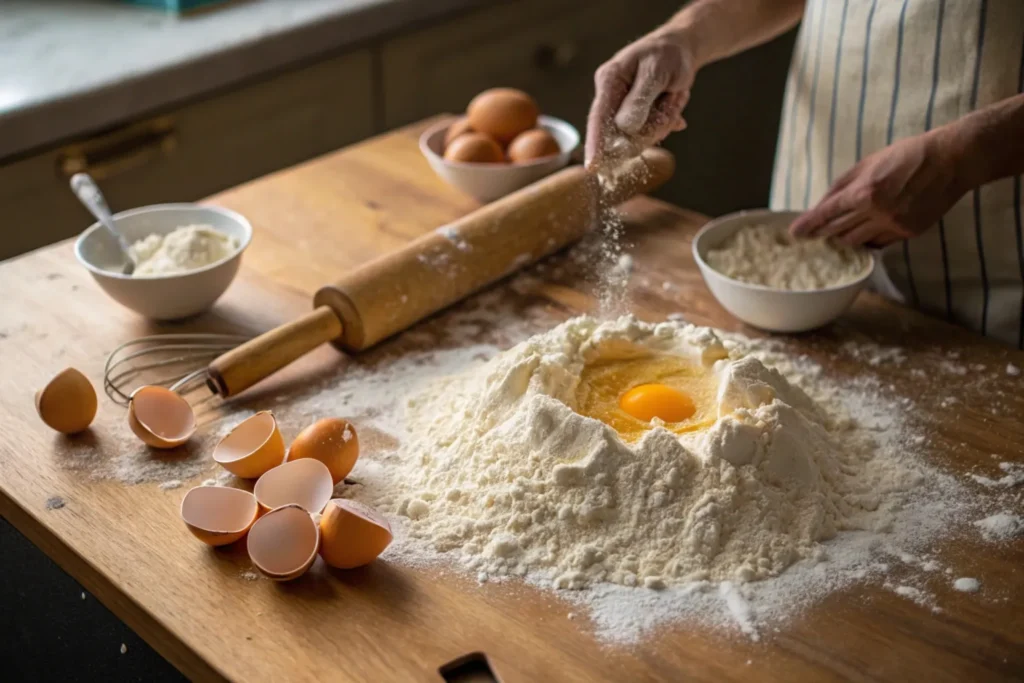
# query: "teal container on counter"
179, 6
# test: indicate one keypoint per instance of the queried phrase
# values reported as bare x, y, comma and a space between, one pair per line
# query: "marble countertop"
70, 67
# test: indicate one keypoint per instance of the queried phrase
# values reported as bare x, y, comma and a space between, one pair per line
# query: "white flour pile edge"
928, 504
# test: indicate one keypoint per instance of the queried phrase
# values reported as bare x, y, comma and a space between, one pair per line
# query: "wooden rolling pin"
397, 290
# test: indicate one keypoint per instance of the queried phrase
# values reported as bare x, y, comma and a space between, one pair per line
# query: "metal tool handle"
240, 368
89, 194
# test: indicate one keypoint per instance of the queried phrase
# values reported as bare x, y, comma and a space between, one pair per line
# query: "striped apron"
868, 72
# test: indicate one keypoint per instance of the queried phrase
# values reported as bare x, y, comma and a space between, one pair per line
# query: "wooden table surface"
127, 545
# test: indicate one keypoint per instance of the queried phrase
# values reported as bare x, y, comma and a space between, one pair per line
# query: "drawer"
193, 151
547, 48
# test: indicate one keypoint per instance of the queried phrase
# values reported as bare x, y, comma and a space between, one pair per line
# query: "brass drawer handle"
123, 149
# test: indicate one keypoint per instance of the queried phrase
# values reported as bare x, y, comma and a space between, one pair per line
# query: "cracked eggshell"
160, 417
306, 483
218, 515
283, 543
352, 534
252, 448
68, 402
332, 441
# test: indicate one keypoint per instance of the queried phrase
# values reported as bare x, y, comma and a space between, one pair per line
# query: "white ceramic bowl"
776, 310
163, 297
487, 182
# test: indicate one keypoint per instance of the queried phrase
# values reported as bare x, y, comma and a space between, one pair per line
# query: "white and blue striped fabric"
868, 72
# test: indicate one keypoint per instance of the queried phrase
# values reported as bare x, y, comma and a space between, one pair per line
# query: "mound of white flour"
500, 472
771, 257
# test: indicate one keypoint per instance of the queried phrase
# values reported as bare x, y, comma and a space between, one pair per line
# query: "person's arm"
989, 143
904, 189
716, 29
641, 91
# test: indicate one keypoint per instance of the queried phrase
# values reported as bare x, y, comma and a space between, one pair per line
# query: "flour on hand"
769, 256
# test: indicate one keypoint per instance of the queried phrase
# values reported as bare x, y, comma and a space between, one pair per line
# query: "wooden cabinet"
193, 151
549, 48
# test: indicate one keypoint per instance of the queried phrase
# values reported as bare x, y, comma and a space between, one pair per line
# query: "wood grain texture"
390, 622
444, 266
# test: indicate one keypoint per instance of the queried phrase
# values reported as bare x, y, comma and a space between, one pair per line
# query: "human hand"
640, 94
894, 194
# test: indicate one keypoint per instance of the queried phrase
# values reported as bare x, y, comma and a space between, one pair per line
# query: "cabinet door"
549, 48
191, 152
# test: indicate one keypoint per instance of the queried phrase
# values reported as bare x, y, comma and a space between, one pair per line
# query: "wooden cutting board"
390, 622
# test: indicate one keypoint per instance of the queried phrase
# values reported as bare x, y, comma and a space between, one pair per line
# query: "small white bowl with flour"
772, 281
188, 254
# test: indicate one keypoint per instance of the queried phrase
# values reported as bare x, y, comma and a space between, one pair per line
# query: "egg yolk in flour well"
633, 395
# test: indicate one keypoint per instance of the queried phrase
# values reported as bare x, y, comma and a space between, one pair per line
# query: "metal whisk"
175, 361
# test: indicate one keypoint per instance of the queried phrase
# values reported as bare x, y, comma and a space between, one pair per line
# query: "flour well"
506, 474
771, 257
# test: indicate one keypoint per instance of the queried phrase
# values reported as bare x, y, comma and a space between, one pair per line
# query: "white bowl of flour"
187, 256
772, 281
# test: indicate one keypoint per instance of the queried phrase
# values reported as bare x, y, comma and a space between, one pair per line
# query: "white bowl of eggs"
773, 281
502, 144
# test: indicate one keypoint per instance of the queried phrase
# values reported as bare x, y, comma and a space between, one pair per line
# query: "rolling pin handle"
238, 369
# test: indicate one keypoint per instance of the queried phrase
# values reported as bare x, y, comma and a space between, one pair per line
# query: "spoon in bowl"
89, 194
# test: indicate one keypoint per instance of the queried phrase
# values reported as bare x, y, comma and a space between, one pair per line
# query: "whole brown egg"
476, 148
536, 143
460, 126
502, 113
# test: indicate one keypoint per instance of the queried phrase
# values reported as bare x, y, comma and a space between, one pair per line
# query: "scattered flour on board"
1001, 526
1014, 476
967, 585
807, 485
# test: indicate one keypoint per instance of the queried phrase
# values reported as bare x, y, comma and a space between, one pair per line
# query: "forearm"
987, 144
716, 29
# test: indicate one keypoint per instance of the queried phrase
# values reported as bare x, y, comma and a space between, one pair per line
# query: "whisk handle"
241, 367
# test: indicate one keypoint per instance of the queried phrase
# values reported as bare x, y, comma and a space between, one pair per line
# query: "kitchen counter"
391, 621
75, 66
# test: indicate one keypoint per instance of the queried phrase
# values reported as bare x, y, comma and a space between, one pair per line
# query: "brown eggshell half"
252, 448
160, 417
283, 543
352, 534
68, 402
306, 483
218, 515
332, 441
